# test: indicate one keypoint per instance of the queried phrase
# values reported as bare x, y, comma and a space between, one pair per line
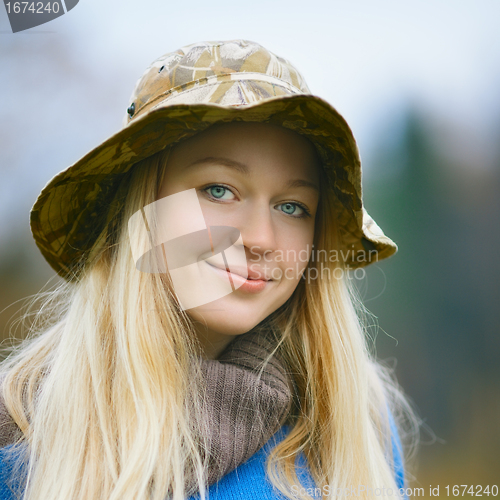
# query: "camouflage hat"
180, 94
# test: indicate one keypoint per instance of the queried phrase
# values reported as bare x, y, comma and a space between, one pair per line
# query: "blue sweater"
248, 481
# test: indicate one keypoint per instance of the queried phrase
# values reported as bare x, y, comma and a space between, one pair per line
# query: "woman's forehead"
250, 130
243, 145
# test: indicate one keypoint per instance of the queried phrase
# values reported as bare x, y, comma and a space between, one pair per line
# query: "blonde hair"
99, 386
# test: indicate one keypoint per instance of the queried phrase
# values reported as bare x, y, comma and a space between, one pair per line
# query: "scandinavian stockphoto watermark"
26, 15
318, 260
363, 491
359, 491
171, 235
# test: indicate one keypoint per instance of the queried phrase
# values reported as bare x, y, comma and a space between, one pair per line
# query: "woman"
207, 309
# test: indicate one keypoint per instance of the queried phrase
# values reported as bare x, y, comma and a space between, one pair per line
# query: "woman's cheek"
296, 259
219, 215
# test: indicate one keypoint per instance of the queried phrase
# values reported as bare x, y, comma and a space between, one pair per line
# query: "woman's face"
263, 180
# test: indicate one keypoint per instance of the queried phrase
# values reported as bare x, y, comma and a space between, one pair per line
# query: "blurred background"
419, 84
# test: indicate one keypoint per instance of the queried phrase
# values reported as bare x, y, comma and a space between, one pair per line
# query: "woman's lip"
244, 284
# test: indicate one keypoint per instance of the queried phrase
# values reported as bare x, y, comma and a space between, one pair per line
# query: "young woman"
208, 332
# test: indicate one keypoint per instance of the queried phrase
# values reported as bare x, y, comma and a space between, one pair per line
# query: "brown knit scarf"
241, 411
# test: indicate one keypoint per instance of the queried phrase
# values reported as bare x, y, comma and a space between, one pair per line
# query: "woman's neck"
212, 343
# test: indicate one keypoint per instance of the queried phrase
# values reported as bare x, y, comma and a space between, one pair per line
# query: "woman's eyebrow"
241, 167
301, 183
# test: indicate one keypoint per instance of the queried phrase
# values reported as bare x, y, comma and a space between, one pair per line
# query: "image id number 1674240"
33, 7
477, 491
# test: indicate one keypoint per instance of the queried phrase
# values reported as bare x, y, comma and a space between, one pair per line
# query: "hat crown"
199, 64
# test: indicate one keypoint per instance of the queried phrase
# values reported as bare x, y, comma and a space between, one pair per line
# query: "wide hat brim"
73, 209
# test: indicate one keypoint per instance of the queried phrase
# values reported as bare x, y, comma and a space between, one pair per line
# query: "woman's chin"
238, 313
225, 320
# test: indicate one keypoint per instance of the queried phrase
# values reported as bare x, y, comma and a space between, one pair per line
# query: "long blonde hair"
99, 386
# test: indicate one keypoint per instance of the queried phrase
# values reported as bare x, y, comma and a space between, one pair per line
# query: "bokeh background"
419, 84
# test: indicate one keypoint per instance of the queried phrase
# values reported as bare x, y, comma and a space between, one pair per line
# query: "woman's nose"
258, 231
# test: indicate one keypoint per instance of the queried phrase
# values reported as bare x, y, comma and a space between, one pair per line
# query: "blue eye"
219, 192
289, 208
294, 209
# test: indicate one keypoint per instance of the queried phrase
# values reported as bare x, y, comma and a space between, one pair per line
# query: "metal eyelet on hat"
131, 110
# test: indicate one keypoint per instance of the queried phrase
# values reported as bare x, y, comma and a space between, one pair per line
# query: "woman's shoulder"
249, 480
